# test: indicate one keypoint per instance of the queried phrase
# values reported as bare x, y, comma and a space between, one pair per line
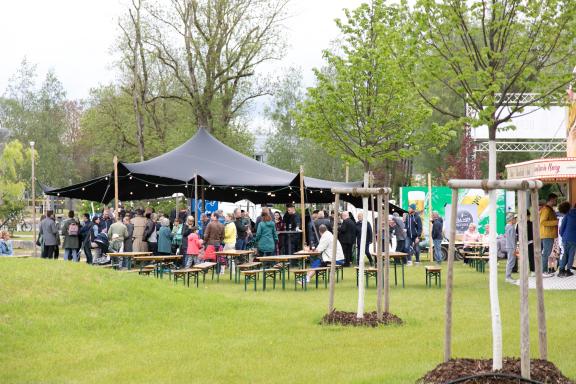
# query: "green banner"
442, 196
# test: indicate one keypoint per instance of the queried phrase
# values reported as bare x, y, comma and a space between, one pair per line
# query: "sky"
75, 38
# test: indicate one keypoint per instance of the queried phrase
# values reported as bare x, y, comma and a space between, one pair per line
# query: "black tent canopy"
220, 172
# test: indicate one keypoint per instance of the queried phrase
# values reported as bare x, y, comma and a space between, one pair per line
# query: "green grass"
70, 323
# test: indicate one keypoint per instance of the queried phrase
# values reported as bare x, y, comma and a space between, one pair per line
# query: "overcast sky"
74, 38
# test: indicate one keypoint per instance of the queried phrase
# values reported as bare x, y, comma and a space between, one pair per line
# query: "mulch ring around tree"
472, 371
370, 319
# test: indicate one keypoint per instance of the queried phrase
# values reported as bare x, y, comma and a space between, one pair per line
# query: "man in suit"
347, 236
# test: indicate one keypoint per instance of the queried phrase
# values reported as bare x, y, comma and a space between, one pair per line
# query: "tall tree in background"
38, 114
363, 107
212, 48
498, 57
134, 58
285, 148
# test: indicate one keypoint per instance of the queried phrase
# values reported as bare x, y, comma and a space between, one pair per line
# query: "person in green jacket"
266, 236
164, 237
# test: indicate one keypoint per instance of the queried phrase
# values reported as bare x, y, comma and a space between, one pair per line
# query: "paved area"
554, 283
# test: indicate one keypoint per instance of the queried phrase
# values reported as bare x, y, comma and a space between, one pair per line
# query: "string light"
146, 185
156, 185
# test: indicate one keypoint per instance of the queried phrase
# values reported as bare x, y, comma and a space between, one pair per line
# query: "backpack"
73, 229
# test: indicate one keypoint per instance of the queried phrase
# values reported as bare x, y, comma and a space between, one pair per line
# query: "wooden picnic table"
310, 252
230, 255
129, 256
158, 260
282, 259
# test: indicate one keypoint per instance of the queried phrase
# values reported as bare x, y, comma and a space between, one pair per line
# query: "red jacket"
194, 244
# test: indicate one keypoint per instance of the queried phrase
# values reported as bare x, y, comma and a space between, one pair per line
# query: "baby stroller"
100, 253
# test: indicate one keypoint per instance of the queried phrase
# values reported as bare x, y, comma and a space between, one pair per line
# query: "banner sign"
475, 199
543, 169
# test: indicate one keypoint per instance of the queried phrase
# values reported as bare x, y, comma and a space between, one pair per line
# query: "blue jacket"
414, 226
437, 226
568, 227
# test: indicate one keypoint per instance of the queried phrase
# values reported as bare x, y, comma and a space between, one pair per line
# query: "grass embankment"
71, 323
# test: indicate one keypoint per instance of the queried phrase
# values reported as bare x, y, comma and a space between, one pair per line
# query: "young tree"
363, 107
498, 57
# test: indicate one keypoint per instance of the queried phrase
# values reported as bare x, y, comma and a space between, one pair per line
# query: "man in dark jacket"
105, 222
413, 232
311, 230
241, 230
437, 236
49, 233
347, 237
368, 237
291, 222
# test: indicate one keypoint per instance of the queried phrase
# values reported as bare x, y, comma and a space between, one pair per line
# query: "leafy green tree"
286, 149
363, 106
38, 115
497, 57
13, 159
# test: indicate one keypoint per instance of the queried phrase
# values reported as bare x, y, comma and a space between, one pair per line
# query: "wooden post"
116, 210
542, 336
195, 213
523, 267
33, 198
431, 247
450, 277
334, 252
378, 240
302, 208
347, 171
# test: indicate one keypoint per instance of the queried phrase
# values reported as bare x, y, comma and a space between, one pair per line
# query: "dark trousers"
88, 252
415, 249
367, 250
153, 247
347, 249
401, 247
49, 252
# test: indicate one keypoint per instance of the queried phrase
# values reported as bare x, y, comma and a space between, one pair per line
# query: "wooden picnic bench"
184, 274
368, 273
205, 267
244, 267
436, 272
300, 276
252, 275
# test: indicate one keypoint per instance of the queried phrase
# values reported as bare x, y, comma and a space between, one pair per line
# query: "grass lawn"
71, 323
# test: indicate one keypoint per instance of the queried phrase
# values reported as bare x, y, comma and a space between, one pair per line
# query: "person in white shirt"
325, 246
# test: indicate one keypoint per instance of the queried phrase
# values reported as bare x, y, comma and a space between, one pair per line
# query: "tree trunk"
494, 301
386, 236
378, 239
334, 250
362, 253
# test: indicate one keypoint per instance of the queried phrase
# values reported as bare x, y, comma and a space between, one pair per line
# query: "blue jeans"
71, 252
568, 259
240, 244
546, 251
265, 253
437, 250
